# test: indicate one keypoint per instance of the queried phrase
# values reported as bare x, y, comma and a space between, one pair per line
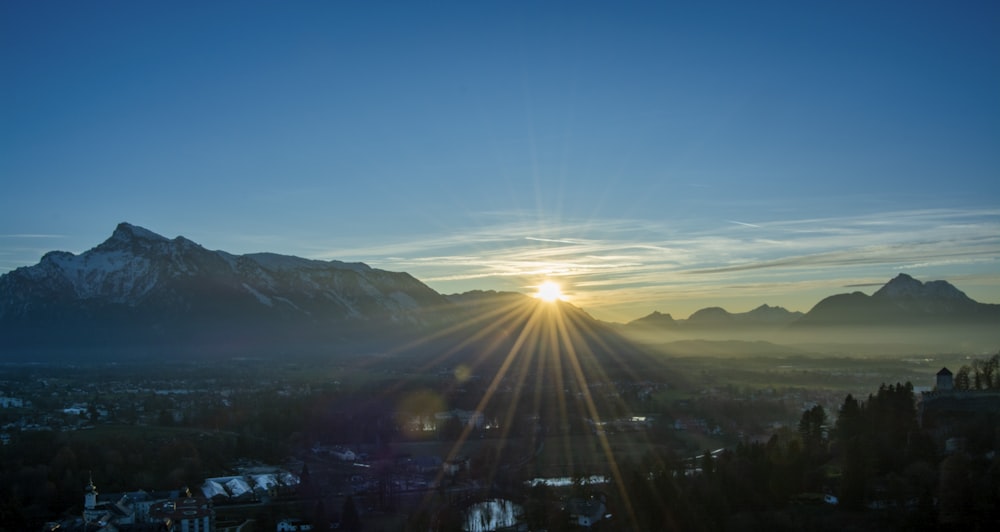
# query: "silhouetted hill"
902, 301
654, 320
903, 316
717, 318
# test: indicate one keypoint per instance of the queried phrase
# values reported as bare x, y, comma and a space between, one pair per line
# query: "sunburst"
550, 291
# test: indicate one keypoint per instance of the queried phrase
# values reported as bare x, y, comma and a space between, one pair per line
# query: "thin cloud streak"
744, 224
624, 262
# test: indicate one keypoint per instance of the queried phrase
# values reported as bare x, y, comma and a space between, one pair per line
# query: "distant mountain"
139, 293
764, 316
904, 315
139, 288
902, 301
655, 320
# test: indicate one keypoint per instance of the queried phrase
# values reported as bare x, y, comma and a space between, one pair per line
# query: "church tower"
90, 496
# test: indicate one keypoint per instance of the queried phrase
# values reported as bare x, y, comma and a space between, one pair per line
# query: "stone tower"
944, 382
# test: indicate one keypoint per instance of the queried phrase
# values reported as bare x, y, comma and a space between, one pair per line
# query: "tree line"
980, 375
884, 471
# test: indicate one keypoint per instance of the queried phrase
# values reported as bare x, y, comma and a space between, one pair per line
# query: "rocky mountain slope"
139, 287
139, 293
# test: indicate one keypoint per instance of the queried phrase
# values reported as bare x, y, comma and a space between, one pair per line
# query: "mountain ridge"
138, 287
902, 300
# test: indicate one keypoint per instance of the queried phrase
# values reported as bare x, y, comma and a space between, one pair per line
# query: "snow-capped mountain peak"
148, 279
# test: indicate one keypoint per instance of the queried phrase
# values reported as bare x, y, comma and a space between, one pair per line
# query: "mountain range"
141, 292
902, 301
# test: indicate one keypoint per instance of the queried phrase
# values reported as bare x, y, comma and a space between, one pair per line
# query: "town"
250, 445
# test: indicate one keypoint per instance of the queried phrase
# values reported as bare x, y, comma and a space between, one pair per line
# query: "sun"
550, 291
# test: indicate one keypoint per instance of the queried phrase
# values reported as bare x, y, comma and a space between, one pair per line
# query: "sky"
647, 155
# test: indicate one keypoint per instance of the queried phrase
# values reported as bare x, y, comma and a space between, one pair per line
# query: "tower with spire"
90, 495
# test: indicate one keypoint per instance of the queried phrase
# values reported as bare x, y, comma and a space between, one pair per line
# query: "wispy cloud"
623, 262
623, 267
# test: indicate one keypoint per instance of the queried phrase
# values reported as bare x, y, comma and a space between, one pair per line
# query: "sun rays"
541, 360
547, 373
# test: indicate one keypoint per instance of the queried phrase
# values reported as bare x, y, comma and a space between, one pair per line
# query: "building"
252, 485
944, 381
955, 418
188, 514
140, 510
105, 513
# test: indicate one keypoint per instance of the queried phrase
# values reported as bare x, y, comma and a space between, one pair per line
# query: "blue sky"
648, 155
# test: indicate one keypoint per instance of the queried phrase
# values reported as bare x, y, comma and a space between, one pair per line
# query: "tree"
855, 474
812, 428
349, 519
320, 521
962, 381
451, 429
305, 478
987, 373
707, 463
954, 490
981, 375
977, 375
849, 419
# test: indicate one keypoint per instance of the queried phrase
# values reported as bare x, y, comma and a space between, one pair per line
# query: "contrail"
743, 224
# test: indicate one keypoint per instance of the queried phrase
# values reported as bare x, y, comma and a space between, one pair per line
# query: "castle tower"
944, 382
